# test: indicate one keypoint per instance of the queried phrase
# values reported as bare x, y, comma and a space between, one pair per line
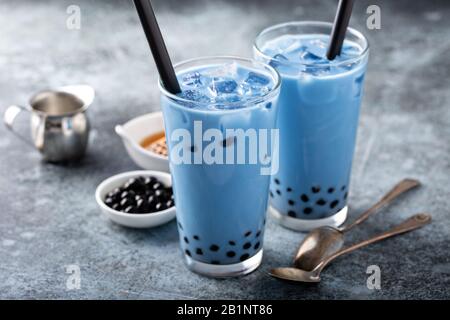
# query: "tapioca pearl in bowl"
128, 218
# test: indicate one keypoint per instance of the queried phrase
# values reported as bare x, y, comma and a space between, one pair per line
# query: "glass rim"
312, 23
256, 100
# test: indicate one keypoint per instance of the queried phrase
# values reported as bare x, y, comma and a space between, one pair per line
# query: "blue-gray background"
48, 216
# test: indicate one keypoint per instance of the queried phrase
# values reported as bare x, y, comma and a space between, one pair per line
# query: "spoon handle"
409, 224
399, 189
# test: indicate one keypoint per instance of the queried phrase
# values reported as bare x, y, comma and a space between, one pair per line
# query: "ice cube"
318, 70
224, 98
254, 79
310, 54
277, 60
194, 96
293, 46
249, 90
192, 80
221, 86
349, 51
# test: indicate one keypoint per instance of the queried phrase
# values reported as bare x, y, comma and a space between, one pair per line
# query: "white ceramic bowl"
133, 220
134, 131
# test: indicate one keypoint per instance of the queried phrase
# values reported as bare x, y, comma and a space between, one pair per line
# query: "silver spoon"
324, 241
299, 275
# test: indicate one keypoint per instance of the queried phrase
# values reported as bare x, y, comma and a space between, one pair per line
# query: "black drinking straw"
157, 45
340, 25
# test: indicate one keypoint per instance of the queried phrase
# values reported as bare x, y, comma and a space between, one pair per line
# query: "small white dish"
134, 220
137, 129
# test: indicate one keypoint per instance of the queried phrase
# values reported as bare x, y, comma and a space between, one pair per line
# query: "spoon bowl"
319, 243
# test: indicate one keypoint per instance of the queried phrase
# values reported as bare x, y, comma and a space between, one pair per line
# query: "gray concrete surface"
48, 215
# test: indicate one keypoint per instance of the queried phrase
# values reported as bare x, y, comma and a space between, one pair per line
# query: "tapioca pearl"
304, 198
278, 192
269, 105
271, 194
291, 202
276, 181
334, 203
247, 234
196, 237
180, 226
245, 256
343, 188
215, 262
264, 222
231, 254
256, 246
186, 240
330, 190
321, 202
247, 245
258, 234
345, 195
307, 210
214, 247
288, 189
315, 189
231, 243
188, 253
199, 251
292, 214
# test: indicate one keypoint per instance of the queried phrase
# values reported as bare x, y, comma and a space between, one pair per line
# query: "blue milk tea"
221, 207
318, 117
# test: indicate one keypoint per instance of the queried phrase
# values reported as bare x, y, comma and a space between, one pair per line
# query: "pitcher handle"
10, 116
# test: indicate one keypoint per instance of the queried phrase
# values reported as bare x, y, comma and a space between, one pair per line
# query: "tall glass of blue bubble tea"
221, 197
318, 118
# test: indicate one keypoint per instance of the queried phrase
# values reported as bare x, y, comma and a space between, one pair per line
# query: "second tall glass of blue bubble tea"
318, 118
220, 184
